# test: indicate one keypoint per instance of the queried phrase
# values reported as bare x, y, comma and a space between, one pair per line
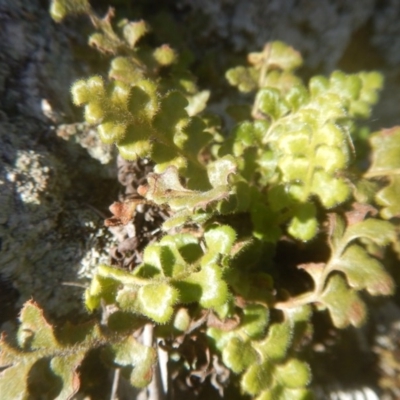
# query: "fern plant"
287, 172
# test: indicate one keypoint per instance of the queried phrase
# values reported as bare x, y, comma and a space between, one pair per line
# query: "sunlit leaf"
364, 272
344, 304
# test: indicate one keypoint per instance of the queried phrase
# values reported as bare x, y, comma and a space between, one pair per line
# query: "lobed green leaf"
238, 355
255, 320
364, 272
304, 224
59, 9
379, 232
293, 374
257, 378
246, 79
386, 162
130, 353
156, 301
344, 304
220, 239
276, 344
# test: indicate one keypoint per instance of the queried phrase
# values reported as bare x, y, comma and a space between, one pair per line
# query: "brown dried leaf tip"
123, 212
359, 212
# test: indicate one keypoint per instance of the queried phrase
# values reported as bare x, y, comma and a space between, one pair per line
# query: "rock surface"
49, 233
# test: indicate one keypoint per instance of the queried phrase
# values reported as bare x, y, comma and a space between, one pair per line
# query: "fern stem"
115, 383
383, 172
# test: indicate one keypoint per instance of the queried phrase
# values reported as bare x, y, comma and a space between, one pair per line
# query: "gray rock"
320, 29
49, 234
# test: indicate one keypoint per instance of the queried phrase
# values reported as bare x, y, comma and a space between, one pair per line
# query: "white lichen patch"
87, 137
30, 176
47, 238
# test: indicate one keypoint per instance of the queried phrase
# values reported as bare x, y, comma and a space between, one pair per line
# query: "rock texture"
49, 231
330, 34
320, 29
